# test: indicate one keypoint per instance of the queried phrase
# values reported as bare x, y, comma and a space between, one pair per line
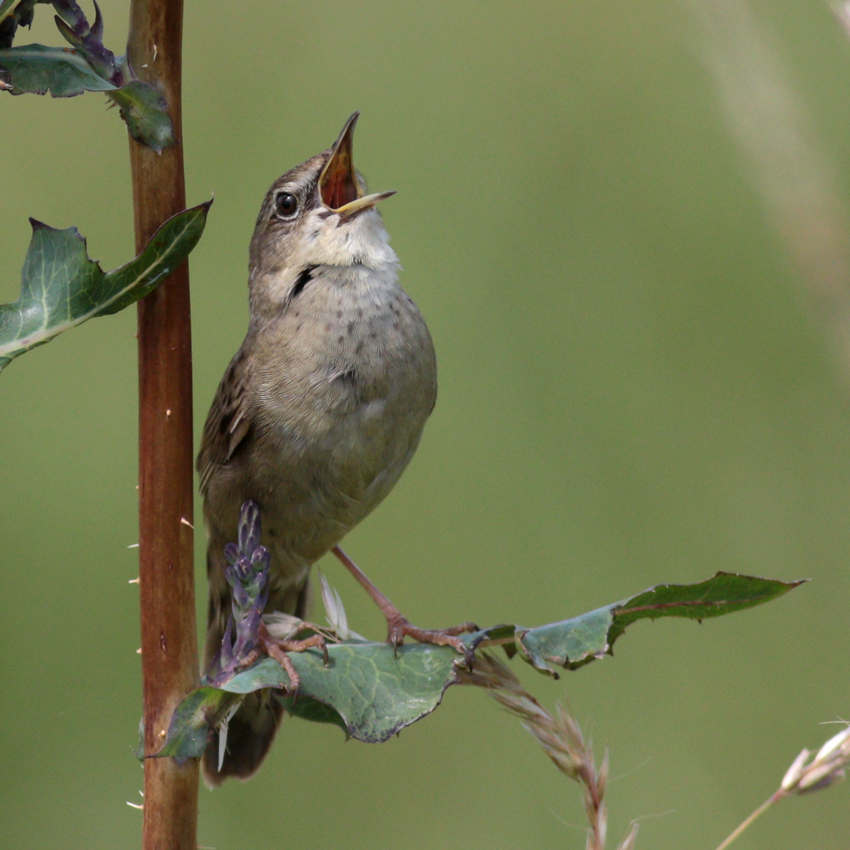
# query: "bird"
319, 411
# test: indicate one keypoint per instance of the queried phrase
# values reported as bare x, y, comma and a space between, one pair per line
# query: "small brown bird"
322, 407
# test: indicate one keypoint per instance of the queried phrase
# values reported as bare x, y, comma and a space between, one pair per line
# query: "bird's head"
318, 214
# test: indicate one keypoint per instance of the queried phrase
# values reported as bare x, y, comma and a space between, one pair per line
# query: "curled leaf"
61, 287
87, 65
372, 690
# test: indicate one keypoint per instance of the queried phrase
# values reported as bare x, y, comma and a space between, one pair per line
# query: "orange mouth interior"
338, 185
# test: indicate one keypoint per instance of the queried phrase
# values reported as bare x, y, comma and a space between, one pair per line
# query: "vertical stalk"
169, 643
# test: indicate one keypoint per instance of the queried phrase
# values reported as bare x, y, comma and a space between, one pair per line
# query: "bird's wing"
228, 422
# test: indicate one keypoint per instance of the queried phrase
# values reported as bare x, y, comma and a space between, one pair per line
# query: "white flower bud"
793, 774
833, 744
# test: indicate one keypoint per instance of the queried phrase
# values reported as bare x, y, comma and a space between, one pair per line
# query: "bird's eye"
286, 205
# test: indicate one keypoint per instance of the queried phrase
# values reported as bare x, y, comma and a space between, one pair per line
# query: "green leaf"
191, 721
61, 287
367, 690
64, 72
575, 642
373, 692
376, 691
87, 65
145, 112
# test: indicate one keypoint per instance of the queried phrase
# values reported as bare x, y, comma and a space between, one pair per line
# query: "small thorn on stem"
184, 521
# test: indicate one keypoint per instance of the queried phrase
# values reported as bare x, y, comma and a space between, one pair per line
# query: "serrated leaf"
569, 643
61, 287
577, 641
63, 71
373, 691
85, 66
366, 690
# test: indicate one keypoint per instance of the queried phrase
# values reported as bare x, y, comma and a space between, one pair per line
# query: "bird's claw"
398, 628
280, 649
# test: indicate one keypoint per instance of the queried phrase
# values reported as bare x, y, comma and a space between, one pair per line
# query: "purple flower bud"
247, 574
244, 570
261, 558
241, 596
249, 527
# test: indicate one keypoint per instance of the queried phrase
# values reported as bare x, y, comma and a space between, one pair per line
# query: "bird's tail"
252, 728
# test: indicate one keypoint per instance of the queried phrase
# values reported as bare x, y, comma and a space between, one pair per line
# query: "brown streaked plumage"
322, 407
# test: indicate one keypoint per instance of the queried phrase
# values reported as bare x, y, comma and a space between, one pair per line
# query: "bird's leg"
279, 649
398, 627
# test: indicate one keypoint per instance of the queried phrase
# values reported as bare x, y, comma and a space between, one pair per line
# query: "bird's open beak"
339, 185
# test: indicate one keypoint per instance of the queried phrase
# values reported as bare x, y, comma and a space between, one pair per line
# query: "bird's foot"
398, 626
280, 649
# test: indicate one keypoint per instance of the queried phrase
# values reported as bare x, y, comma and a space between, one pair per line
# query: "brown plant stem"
169, 644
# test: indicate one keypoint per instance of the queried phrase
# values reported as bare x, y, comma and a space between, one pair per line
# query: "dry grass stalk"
561, 739
804, 776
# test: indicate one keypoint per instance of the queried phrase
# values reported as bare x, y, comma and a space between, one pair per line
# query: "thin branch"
774, 798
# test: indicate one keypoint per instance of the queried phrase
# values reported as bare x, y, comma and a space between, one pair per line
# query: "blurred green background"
632, 390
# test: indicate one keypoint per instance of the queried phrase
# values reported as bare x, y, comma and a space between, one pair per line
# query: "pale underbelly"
313, 490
